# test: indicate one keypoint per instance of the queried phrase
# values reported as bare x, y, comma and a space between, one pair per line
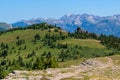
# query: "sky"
16, 10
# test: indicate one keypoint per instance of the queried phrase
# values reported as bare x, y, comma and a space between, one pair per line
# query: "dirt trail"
91, 69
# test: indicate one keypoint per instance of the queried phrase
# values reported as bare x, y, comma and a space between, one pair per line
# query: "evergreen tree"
37, 37
3, 73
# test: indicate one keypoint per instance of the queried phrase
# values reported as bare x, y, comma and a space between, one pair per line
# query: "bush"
3, 73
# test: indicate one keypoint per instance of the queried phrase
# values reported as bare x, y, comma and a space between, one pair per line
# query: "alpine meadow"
37, 44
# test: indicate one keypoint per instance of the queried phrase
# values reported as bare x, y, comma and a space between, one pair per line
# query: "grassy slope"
108, 69
83, 42
27, 35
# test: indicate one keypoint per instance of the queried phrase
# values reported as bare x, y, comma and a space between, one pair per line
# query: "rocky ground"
104, 68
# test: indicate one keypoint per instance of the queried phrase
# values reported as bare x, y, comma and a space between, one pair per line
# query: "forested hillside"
43, 46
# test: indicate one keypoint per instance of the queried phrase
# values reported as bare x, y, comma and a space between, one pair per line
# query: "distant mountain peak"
70, 14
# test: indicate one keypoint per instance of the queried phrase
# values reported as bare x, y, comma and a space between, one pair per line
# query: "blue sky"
15, 10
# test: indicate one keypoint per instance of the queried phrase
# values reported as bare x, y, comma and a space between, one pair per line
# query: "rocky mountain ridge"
109, 25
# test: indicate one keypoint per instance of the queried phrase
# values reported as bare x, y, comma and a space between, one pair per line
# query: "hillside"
103, 68
43, 46
108, 25
4, 26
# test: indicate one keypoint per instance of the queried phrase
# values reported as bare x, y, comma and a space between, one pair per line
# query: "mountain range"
109, 25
